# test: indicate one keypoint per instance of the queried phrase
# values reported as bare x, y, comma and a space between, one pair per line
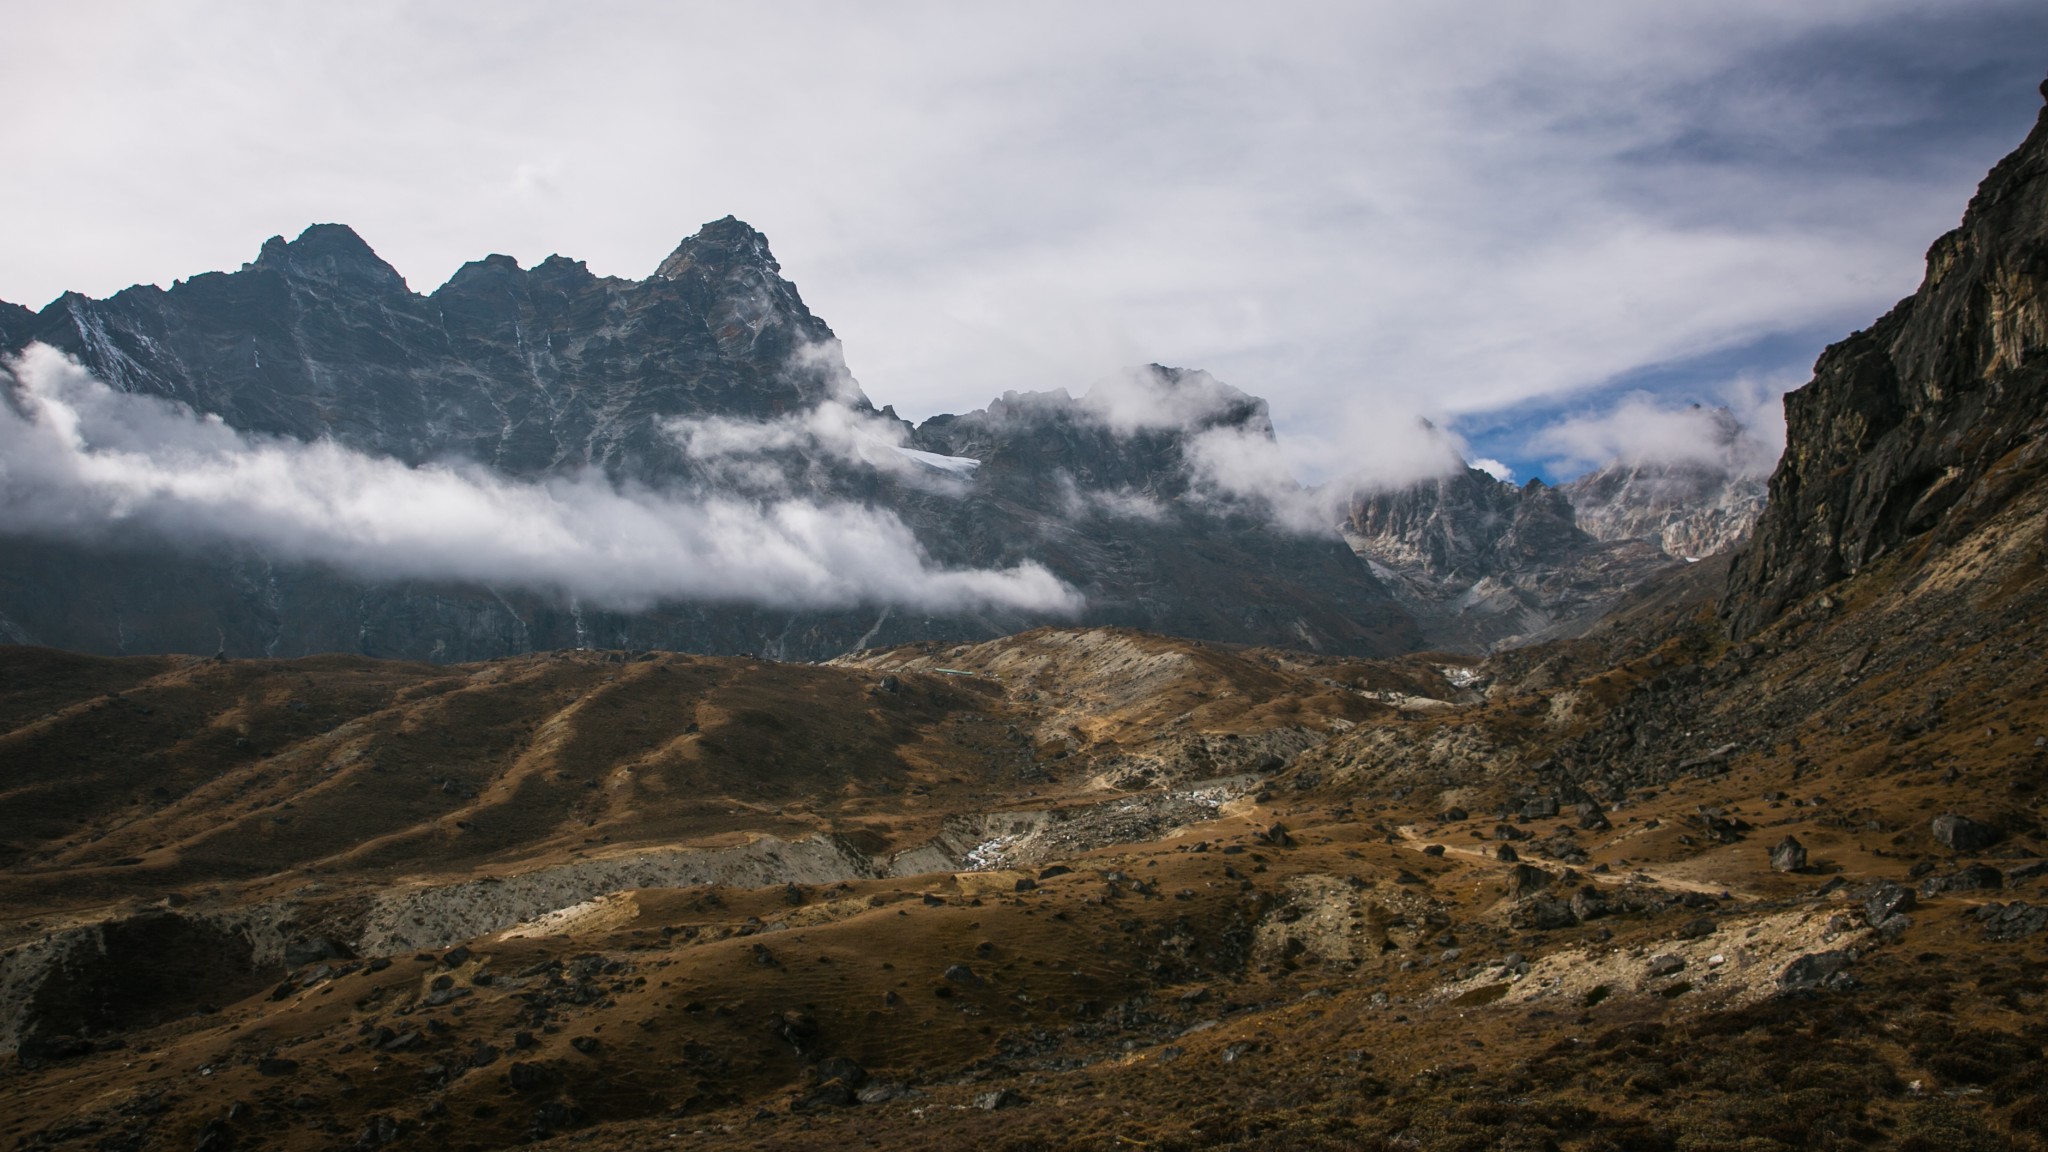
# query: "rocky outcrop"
1921, 427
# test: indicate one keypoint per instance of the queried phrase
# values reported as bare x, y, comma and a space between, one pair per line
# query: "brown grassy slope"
148, 775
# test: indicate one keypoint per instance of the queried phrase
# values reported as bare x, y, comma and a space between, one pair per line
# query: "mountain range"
712, 377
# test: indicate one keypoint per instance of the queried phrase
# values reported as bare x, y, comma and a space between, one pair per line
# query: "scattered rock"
1962, 834
1886, 901
997, 1100
830, 1094
527, 1076
2012, 921
553, 1116
381, 1130
843, 1070
1817, 970
1975, 878
214, 1136
1589, 903
1525, 880
1789, 855
798, 1028
1543, 914
1666, 965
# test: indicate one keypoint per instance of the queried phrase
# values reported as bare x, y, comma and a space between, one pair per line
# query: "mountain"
552, 371
1484, 564
1921, 427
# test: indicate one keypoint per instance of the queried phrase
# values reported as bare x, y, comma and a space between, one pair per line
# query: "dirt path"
1414, 841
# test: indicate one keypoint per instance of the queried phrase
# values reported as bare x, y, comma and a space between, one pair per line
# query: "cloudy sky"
1541, 225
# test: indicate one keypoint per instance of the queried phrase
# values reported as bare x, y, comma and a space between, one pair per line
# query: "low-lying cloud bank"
80, 460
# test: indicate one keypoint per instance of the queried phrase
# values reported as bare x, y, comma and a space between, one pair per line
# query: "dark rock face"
528, 371
552, 370
1926, 423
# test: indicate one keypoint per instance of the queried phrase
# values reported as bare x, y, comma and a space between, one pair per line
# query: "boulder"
997, 1100
1962, 834
1975, 878
1543, 914
842, 1069
1886, 901
1525, 880
1789, 855
1817, 970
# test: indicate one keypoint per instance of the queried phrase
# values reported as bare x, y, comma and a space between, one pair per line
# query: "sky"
1545, 228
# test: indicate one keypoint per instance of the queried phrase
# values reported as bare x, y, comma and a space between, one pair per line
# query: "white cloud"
1744, 435
1495, 469
79, 460
1146, 398
768, 457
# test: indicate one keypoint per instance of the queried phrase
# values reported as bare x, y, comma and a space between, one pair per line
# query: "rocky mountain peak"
330, 254
720, 249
